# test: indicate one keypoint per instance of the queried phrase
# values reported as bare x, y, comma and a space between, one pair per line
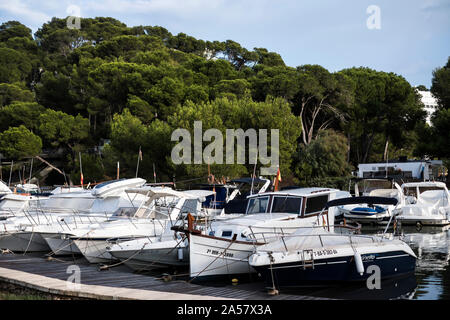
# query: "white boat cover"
4, 188
309, 238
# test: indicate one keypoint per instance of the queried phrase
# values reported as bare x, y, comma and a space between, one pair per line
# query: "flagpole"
81, 170
139, 157
10, 173
154, 172
31, 168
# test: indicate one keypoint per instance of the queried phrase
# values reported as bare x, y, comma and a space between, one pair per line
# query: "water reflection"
432, 247
430, 282
400, 288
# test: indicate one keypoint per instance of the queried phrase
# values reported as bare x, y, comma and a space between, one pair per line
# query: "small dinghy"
315, 256
369, 213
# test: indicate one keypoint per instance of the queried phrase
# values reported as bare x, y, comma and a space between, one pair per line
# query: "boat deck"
50, 276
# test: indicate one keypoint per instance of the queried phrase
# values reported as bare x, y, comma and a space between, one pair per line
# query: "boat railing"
259, 235
350, 238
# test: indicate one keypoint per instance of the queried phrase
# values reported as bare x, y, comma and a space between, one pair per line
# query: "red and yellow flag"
277, 179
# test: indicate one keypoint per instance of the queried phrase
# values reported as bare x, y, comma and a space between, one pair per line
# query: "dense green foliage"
438, 136
71, 90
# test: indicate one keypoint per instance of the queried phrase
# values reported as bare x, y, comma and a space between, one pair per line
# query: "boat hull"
423, 221
215, 258
150, 259
94, 250
61, 246
23, 242
336, 270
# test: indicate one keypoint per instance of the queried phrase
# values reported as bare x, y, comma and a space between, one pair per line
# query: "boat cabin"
304, 202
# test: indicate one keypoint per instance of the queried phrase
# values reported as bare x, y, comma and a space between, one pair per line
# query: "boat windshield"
366, 186
257, 205
287, 204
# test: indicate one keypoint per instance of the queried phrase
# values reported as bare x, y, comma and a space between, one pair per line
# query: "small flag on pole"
277, 179
118, 169
81, 174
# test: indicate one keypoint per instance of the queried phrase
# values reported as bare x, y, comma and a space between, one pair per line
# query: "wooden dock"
50, 277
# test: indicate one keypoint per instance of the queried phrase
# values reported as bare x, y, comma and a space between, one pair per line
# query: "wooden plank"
50, 276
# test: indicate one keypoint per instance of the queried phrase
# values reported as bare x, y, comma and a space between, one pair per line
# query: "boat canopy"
430, 184
359, 200
159, 192
249, 180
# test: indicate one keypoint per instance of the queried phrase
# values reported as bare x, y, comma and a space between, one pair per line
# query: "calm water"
432, 247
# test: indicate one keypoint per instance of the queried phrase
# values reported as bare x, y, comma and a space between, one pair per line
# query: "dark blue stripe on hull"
293, 274
225, 278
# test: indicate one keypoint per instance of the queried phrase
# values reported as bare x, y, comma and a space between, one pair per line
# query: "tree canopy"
108, 90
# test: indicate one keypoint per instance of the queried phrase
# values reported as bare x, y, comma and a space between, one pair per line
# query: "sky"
407, 37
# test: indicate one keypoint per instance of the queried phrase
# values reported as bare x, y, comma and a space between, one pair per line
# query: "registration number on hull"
219, 253
325, 252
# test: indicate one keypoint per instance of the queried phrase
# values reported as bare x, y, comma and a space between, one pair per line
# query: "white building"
430, 103
410, 169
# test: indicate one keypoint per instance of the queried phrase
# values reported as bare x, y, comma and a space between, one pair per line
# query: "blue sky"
413, 40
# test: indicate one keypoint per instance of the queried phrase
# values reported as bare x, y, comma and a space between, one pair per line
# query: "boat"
33, 228
16, 204
170, 249
149, 221
370, 213
222, 250
426, 203
315, 256
231, 197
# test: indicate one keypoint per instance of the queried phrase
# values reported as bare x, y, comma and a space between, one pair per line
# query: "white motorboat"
369, 213
224, 249
315, 256
426, 203
149, 221
16, 204
60, 213
170, 248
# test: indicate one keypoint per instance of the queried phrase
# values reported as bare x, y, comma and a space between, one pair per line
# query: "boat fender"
180, 254
359, 263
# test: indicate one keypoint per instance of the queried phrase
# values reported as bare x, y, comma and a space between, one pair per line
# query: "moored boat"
316, 256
